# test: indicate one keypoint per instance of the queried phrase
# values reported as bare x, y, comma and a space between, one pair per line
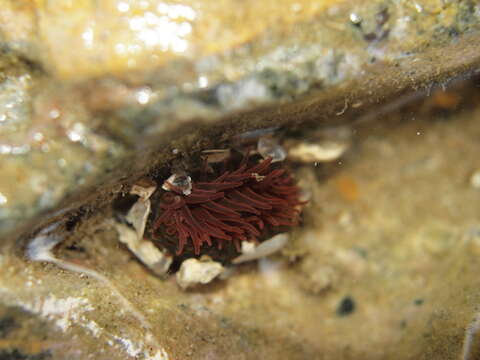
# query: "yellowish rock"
86, 38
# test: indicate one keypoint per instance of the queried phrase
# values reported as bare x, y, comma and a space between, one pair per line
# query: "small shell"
216, 155
144, 250
182, 182
144, 189
193, 272
268, 247
138, 213
137, 216
322, 146
268, 147
323, 151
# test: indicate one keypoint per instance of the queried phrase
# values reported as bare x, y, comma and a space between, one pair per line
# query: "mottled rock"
85, 84
96, 94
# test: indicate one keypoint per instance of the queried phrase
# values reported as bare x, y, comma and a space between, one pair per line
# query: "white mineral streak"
251, 252
471, 334
63, 312
193, 272
70, 311
137, 350
137, 216
40, 247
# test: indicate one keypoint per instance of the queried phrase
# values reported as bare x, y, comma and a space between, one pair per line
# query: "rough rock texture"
384, 267
93, 92
385, 264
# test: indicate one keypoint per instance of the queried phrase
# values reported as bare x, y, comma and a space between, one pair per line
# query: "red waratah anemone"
240, 205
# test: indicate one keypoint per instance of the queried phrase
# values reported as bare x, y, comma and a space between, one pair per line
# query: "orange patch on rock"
348, 188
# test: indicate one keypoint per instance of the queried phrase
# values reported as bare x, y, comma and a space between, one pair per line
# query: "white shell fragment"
475, 179
323, 151
251, 252
269, 147
216, 155
193, 272
144, 250
183, 182
143, 191
322, 146
137, 216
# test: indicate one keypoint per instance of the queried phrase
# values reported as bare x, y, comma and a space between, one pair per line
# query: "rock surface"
97, 91
385, 263
92, 98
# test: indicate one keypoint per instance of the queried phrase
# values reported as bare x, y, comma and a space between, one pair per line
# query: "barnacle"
248, 203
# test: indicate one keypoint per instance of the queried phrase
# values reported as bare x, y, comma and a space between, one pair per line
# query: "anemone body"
236, 206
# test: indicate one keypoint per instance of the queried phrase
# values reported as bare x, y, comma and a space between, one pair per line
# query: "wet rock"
96, 94
91, 91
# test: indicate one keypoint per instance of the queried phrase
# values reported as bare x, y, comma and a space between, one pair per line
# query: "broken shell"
193, 272
178, 182
137, 216
268, 147
268, 247
216, 155
143, 189
144, 250
323, 151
